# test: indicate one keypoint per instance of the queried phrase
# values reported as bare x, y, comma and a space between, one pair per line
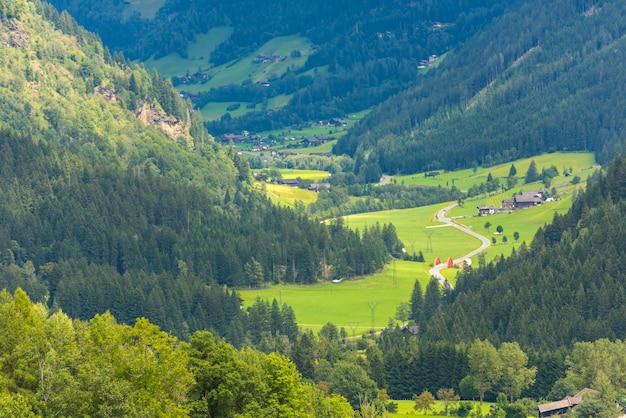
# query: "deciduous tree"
485, 366
424, 402
516, 376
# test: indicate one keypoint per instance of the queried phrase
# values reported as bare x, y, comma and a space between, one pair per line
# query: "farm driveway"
441, 217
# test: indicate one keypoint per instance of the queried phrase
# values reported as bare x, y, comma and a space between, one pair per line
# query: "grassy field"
146, 8
313, 175
349, 303
414, 226
580, 163
286, 195
198, 54
405, 408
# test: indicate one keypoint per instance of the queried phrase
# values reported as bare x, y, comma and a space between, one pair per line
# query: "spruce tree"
417, 303
532, 174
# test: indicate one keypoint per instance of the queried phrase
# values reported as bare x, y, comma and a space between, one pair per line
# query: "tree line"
53, 365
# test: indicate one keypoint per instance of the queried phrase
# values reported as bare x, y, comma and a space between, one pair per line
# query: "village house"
524, 200
317, 186
560, 408
486, 210
527, 199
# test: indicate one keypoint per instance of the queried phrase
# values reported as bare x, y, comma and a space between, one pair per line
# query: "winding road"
436, 270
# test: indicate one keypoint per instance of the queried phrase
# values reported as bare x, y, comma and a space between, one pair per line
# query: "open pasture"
324, 148
414, 226
526, 222
313, 175
348, 304
286, 195
198, 54
405, 408
146, 8
246, 68
580, 163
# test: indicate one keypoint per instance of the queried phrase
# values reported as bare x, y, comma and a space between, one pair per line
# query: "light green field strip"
405, 408
349, 303
414, 226
198, 54
581, 163
287, 195
146, 8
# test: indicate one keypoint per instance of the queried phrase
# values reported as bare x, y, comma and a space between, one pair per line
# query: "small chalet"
410, 329
560, 408
338, 122
486, 210
260, 176
310, 142
527, 199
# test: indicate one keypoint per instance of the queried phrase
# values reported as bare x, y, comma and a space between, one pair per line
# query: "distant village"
261, 144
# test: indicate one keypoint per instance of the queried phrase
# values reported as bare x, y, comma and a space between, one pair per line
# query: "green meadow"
286, 195
405, 408
235, 72
348, 304
418, 230
146, 8
313, 175
313, 130
198, 54
324, 148
581, 164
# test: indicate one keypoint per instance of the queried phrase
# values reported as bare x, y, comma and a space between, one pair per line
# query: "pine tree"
532, 174
417, 303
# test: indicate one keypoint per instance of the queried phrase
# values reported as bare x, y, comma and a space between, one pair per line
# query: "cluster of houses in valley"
198, 77
523, 200
260, 145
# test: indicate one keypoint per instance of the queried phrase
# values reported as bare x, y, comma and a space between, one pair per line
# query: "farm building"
561, 407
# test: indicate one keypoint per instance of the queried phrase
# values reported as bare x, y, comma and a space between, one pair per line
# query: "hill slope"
116, 198
549, 76
567, 286
364, 52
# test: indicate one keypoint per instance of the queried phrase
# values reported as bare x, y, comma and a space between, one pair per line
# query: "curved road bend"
436, 271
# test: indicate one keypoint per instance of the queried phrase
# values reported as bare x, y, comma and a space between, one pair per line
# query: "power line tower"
429, 241
372, 305
353, 325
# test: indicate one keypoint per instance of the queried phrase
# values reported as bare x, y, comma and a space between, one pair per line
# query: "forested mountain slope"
548, 76
364, 51
568, 285
115, 197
